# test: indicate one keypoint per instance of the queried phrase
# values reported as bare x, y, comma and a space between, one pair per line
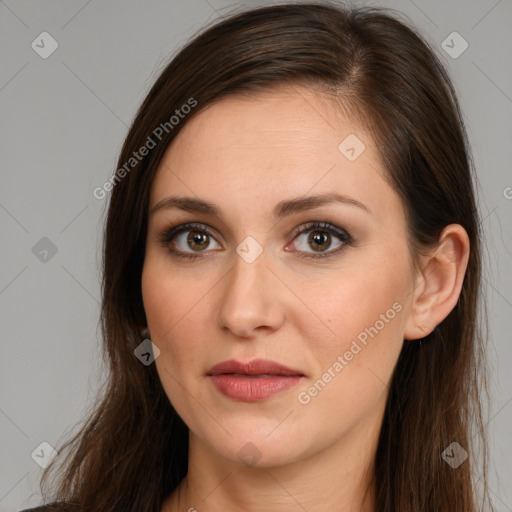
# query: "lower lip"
253, 389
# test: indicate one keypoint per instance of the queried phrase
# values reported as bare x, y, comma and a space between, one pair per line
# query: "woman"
291, 280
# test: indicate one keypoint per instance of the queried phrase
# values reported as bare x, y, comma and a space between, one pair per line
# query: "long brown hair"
131, 451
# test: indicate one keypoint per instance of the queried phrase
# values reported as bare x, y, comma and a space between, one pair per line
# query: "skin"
245, 155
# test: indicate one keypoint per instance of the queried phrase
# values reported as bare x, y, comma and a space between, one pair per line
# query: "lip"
253, 381
254, 367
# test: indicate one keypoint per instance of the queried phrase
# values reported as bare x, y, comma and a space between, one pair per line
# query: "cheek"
355, 365
175, 315
364, 308
172, 307
350, 302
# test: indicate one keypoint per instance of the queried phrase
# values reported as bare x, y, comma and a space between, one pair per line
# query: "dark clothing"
53, 507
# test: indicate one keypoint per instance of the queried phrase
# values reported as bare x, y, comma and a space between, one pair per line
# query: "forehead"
269, 146
293, 121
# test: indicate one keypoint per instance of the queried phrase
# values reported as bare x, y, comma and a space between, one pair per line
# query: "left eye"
319, 237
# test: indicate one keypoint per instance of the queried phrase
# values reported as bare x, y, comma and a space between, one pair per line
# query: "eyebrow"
282, 209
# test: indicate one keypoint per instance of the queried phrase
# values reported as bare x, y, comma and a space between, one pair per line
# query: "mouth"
247, 376
254, 381
254, 368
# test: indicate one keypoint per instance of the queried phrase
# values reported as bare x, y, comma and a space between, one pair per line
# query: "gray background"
62, 125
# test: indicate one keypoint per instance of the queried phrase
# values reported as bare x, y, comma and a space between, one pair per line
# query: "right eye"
187, 240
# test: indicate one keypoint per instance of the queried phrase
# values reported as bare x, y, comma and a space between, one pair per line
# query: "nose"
252, 299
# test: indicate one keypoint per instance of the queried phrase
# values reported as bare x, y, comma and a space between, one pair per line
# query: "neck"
338, 478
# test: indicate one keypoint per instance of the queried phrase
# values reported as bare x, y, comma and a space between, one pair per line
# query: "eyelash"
168, 235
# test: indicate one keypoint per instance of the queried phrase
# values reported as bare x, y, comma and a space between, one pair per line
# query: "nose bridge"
249, 300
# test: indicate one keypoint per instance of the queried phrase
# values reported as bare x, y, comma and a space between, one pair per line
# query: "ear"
439, 282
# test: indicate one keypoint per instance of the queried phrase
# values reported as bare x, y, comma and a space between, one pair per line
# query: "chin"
258, 445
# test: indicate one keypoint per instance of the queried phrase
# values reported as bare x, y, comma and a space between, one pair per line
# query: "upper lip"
254, 367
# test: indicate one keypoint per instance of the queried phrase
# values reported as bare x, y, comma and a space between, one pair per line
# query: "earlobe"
439, 283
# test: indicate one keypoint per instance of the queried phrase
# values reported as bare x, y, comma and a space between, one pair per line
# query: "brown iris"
319, 240
199, 239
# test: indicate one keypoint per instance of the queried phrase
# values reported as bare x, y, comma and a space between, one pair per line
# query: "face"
299, 257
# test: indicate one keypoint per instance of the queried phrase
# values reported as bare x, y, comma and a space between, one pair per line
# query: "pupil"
321, 238
200, 239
